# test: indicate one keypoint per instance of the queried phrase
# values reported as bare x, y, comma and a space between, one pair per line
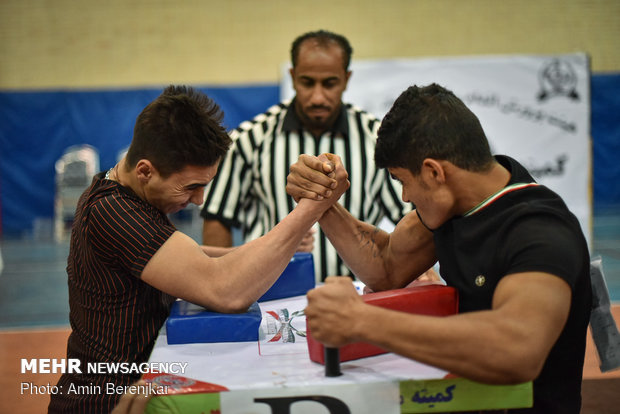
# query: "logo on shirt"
480, 280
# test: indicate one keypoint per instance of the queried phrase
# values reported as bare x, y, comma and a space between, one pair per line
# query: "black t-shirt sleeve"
543, 243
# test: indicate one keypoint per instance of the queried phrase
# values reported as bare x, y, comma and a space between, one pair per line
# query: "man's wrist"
312, 208
330, 212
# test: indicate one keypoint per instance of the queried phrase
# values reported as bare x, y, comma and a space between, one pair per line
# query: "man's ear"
433, 171
347, 76
291, 72
144, 170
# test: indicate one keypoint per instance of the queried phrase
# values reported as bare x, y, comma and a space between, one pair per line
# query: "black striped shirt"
115, 317
250, 190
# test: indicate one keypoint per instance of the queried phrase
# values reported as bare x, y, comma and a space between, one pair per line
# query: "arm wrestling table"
276, 376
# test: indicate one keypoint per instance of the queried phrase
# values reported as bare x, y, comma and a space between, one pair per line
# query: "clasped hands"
321, 178
324, 179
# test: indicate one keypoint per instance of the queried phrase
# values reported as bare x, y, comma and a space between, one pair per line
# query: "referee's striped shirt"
250, 189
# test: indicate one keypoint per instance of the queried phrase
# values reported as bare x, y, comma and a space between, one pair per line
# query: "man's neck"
125, 177
476, 187
316, 132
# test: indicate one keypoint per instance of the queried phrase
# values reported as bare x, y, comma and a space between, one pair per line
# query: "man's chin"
174, 210
318, 117
318, 122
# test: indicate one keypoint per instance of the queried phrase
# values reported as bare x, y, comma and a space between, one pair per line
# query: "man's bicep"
535, 305
411, 249
175, 268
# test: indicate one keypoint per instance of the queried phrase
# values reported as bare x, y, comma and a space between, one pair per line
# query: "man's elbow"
522, 374
232, 305
516, 370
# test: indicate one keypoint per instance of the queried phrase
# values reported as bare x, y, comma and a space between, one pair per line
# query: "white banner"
533, 108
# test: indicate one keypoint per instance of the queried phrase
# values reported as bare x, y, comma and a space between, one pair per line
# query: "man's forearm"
232, 282
268, 255
359, 244
507, 344
381, 260
432, 340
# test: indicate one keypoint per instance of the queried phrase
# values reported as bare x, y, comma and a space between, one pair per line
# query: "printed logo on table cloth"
282, 327
279, 326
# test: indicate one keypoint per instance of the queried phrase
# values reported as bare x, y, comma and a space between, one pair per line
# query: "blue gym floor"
33, 284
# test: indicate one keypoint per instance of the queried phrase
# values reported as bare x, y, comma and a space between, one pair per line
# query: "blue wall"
36, 127
606, 142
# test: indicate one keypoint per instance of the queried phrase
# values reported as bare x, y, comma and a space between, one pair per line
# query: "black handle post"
332, 362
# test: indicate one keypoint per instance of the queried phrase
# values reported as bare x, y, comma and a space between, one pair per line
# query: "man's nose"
198, 196
318, 95
404, 197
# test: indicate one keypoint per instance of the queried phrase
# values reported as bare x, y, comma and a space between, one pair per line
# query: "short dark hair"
181, 127
431, 122
323, 37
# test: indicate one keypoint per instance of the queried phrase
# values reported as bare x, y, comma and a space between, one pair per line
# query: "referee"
250, 190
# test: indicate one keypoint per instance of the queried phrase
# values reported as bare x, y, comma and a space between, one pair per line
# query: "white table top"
264, 364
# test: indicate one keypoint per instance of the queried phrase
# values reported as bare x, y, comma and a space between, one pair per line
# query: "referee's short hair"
323, 37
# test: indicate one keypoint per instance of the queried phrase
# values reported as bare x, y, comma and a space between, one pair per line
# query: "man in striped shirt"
250, 190
127, 262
